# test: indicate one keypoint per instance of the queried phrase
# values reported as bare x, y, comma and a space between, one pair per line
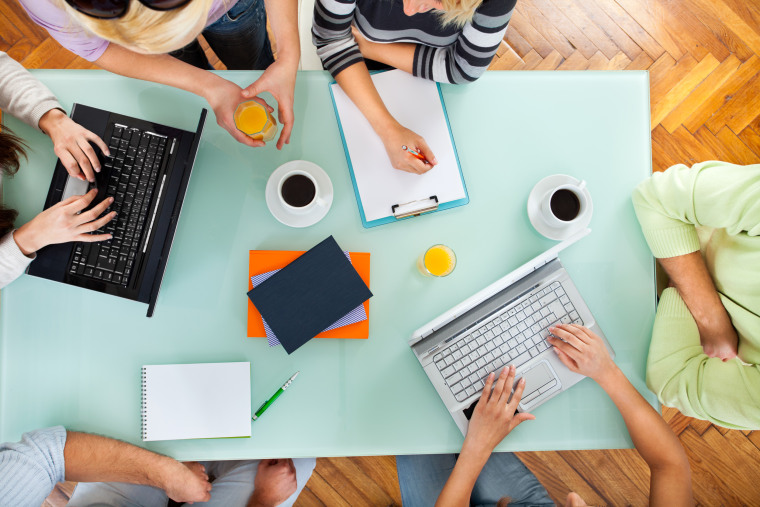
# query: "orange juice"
438, 260
253, 120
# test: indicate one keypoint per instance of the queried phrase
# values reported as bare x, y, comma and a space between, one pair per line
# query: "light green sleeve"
670, 204
683, 376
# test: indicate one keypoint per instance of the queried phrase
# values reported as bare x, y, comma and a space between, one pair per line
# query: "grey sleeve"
30, 469
21, 94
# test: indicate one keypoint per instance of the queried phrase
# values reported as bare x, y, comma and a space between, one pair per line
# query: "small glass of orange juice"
438, 260
255, 121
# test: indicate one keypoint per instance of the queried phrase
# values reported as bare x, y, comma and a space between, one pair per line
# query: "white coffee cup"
298, 196
564, 205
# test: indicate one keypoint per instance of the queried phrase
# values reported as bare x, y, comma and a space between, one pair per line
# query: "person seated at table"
30, 469
482, 478
703, 226
449, 41
132, 38
32, 102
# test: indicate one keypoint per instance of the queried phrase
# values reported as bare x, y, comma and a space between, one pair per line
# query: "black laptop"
147, 175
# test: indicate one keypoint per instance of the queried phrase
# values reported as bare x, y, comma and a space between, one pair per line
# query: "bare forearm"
458, 488
694, 284
358, 85
397, 54
283, 20
92, 458
162, 69
651, 435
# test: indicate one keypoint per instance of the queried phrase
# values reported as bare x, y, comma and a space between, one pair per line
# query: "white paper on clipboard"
416, 104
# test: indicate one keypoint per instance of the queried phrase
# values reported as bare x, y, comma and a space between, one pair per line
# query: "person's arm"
584, 352
689, 275
492, 420
275, 482
26, 98
30, 469
13, 262
340, 55
92, 458
670, 206
223, 96
461, 62
279, 78
63, 222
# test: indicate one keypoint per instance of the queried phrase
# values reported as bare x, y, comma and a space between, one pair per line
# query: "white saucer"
534, 207
314, 215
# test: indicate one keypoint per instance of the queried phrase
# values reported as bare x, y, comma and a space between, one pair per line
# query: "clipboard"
384, 194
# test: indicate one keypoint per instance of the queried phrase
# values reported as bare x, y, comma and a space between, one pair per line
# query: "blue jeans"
231, 486
239, 38
422, 477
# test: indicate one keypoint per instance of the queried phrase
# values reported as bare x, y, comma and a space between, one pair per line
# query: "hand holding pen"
416, 158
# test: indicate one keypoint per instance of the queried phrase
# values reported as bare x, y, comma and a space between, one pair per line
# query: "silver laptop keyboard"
512, 335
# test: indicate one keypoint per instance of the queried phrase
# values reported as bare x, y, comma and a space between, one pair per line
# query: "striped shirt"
447, 54
30, 469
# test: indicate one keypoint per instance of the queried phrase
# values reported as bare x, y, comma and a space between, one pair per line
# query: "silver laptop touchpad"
539, 379
74, 186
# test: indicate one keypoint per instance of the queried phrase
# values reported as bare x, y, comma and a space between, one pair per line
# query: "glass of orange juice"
254, 120
438, 260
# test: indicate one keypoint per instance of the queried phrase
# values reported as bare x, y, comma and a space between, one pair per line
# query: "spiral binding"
143, 410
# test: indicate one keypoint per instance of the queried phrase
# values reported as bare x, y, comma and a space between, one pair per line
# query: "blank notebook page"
208, 400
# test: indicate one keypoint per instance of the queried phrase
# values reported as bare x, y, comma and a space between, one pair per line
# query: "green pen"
276, 395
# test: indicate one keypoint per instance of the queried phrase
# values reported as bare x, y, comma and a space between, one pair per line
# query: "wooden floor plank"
599, 469
382, 470
719, 10
575, 61
517, 42
538, 42
723, 93
632, 28
558, 477
542, 25
588, 28
751, 139
648, 15
664, 105
610, 27
701, 93
739, 151
550, 62
700, 38
642, 62
734, 111
321, 488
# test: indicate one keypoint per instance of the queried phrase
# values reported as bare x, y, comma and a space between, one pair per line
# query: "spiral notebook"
206, 400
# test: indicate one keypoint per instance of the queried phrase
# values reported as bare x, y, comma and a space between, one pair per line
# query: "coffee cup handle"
582, 185
321, 202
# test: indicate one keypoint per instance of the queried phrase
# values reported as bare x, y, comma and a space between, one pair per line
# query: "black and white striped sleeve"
469, 57
331, 34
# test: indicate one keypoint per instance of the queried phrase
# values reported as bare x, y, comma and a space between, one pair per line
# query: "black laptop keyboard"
133, 170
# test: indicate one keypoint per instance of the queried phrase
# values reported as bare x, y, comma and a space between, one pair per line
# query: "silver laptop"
505, 323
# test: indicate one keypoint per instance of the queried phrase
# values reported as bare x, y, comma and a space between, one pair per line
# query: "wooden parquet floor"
703, 58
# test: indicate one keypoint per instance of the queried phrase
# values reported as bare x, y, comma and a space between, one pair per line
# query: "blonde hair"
149, 30
458, 12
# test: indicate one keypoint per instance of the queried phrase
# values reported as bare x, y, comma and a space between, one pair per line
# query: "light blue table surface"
71, 356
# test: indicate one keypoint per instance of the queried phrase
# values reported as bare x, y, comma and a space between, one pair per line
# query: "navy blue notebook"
309, 294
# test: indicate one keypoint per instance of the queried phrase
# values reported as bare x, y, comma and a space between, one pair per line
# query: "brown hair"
12, 148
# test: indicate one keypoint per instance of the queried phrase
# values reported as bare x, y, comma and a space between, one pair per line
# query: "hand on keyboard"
581, 350
494, 416
63, 222
71, 143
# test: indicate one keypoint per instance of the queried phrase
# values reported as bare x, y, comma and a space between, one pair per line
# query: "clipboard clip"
415, 208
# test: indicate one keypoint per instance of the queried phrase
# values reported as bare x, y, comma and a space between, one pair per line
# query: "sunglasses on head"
112, 9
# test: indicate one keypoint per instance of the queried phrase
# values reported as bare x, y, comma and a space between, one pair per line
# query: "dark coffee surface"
298, 190
565, 205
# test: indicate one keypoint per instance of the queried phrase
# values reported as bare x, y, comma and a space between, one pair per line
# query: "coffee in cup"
564, 205
298, 191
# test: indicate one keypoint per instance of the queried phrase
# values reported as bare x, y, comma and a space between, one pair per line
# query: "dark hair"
11, 150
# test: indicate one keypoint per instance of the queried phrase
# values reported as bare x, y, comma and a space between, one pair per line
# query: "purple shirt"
75, 38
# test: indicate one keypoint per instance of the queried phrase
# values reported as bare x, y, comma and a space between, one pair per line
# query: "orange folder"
263, 261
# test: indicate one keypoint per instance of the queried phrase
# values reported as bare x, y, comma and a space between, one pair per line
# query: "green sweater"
713, 207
